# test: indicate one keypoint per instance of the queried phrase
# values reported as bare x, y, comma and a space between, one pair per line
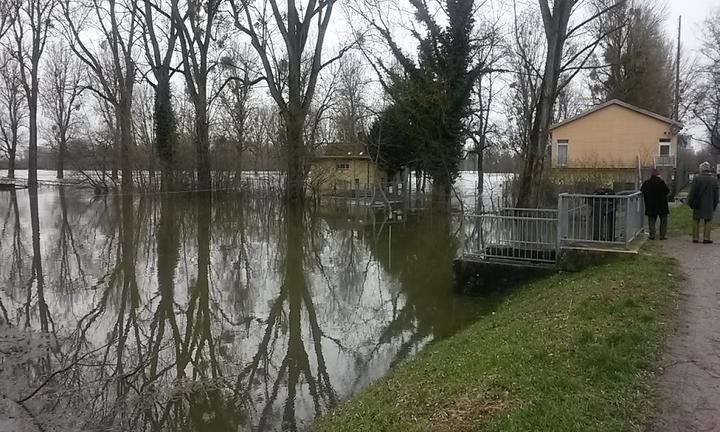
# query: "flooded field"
177, 312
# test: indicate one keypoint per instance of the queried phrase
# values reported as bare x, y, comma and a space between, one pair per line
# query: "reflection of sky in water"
309, 308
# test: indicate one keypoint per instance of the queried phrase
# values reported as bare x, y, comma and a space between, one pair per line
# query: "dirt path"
689, 390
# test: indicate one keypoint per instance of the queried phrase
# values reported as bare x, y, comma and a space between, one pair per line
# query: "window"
343, 166
664, 147
562, 152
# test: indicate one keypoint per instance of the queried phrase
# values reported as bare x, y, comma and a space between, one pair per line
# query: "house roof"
344, 151
622, 104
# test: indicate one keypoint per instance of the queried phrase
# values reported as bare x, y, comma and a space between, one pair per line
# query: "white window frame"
665, 142
564, 143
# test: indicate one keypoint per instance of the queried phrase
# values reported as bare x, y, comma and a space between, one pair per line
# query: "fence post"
627, 227
562, 220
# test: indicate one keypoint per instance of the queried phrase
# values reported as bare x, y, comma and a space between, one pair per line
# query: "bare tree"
6, 17
559, 63
109, 58
636, 62
160, 38
351, 111
290, 71
31, 24
525, 62
196, 24
62, 88
705, 97
479, 127
235, 105
12, 111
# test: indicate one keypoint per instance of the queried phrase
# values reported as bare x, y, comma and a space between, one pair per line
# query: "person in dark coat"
655, 193
703, 199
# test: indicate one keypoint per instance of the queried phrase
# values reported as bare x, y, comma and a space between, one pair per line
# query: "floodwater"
178, 312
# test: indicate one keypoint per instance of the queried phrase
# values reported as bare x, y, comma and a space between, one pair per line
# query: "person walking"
703, 199
655, 193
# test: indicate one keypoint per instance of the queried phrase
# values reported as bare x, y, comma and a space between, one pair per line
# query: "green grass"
680, 221
573, 352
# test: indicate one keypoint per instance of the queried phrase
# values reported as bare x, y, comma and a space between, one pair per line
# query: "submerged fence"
538, 235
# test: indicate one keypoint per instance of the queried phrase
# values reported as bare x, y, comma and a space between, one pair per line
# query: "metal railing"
665, 161
599, 219
528, 235
538, 235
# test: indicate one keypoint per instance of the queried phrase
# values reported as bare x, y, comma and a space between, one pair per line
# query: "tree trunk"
441, 187
165, 130
480, 172
202, 147
530, 186
116, 148
32, 144
295, 181
37, 270
61, 159
11, 164
126, 140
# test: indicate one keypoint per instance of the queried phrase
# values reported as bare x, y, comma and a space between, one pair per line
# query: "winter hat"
705, 167
655, 172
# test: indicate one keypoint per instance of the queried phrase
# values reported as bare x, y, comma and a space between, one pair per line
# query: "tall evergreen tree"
637, 57
430, 96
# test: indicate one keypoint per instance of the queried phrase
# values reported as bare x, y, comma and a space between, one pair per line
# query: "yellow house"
344, 167
614, 142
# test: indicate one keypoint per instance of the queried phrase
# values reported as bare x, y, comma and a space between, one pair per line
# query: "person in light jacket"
655, 193
703, 199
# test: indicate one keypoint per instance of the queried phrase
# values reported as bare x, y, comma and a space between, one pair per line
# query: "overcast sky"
693, 14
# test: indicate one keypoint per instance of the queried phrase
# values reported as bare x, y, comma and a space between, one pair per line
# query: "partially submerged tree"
291, 65
62, 89
479, 127
110, 60
160, 37
390, 144
196, 25
32, 21
13, 111
235, 107
432, 93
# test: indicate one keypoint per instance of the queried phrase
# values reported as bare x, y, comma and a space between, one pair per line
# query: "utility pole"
676, 107
676, 111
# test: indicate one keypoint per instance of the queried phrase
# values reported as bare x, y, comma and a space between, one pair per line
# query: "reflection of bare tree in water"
187, 327
420, 256
294, 371
13, 265
206, 406
37, 278
67, 251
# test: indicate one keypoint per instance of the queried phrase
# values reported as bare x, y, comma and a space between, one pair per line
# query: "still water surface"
181, 313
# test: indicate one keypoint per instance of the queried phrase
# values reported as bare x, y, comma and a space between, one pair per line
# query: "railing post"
627, 227
562, 220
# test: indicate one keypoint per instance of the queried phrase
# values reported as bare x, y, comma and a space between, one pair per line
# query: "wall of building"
326, 174
613, 137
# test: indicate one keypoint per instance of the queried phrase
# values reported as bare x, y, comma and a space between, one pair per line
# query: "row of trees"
234, 78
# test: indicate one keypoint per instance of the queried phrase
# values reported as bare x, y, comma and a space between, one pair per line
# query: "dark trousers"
663, 225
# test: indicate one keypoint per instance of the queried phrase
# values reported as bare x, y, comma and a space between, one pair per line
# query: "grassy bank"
574, 352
